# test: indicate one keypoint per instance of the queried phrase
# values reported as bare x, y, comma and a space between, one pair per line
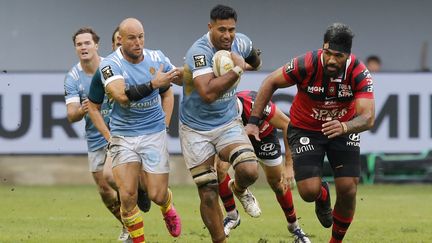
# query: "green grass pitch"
385, 213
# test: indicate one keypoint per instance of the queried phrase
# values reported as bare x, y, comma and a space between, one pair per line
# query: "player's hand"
252, 130
332, 128
238, 60
85, 106
162, 79
288, 176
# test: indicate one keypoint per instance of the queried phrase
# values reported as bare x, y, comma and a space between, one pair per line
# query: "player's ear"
209, 26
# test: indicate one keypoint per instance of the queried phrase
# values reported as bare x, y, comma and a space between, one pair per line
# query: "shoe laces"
299, 236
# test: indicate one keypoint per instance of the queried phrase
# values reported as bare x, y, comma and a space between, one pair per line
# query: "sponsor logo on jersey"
267, 147
107, 72
315, 89
328, 114
289, 66
199, 61
345, 90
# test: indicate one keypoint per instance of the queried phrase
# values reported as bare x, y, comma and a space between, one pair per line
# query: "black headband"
340, 47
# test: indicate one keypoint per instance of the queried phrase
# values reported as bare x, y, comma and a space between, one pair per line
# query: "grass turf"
385, 213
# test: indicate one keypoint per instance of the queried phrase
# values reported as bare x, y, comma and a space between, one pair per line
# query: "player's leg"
308, 151
107, 193
126, 169
344, 157
155, 170
233, 145
199, 156
232, 219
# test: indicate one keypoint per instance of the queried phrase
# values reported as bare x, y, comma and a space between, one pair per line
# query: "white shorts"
198, 146
97, 159
150, 150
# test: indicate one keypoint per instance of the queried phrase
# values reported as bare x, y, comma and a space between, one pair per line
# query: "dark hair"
84, 30
223, 12
339, 36
113, 34
374, 58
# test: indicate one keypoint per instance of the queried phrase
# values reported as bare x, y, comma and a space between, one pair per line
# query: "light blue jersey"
194, 112
77, 86
146, 115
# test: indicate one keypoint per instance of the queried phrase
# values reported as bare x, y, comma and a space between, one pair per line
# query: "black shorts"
308, 149
268, 148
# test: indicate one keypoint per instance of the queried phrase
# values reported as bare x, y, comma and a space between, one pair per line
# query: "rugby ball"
222, 62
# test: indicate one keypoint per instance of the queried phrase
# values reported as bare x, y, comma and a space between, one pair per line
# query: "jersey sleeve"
168, 66
299, 68
269, 111
363, 82
244, 45
199, 61
71, 88
110, 70
97, 90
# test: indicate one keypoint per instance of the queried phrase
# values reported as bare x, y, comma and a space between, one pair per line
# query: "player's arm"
364, 120
97, 119
76, 111
281, 121
253, 61
167, 100
210, 87
96, 98
270, 84
179, 80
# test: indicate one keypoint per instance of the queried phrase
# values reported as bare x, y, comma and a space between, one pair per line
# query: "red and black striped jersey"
320, 98
247, 99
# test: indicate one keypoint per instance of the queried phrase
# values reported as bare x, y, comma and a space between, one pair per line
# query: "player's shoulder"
114, 58
241, 36
74, 73
201, 46
155, 55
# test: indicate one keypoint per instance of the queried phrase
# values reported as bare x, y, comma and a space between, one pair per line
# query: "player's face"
222, 33
116, 43
132, 42
334, 61
85, 47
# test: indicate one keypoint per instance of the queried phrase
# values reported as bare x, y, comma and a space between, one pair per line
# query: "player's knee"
276, 185
346, 192
308, 192
242, 154
209, 195
157, 196
247, 171
204, 175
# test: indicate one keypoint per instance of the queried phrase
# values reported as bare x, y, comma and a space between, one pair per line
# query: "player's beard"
133, 55
331, 73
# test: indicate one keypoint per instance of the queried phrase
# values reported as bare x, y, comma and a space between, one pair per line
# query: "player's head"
373, 63
132, 38
222, 26
86, 43
336, 48
115, 43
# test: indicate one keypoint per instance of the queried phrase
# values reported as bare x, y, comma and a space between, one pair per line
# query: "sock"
167, 205
323, 195
227, 196
134, 223
340, 227
286, 203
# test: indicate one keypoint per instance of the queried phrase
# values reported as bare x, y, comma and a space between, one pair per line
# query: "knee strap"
243, 153
204, 175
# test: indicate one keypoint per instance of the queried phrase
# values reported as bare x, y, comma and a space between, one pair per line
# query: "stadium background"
37, 51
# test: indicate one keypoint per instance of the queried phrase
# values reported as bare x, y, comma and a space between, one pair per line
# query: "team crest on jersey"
152, 70
199, 61
107, 72
289, 66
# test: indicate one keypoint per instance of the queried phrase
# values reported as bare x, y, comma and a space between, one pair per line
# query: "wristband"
137, 92
254, 120
344, 127
238, 70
